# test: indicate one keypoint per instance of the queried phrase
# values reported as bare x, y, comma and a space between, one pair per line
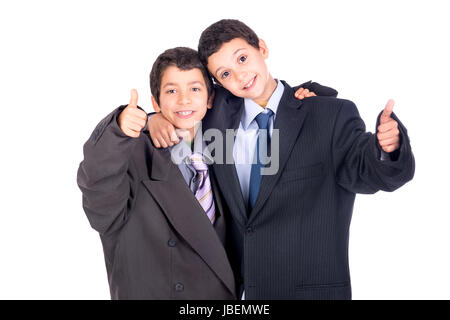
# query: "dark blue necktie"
255, 175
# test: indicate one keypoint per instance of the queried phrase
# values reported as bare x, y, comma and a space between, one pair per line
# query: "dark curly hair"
184, 59
213, 37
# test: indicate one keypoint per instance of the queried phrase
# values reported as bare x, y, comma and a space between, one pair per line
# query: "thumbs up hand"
387, 132
132, 120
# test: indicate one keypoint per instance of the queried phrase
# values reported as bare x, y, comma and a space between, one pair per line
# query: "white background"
66, 64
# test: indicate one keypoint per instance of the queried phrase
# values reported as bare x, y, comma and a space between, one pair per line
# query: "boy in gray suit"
161, 224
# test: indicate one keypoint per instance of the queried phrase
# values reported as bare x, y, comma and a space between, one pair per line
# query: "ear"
155, 105
263, 48
211, 100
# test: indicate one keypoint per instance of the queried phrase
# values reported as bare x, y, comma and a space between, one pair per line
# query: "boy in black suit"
290, 229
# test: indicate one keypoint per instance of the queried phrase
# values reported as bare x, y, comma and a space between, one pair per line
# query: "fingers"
388, 134
155, 141
131, 133
135, 126
136, 113
132, 121
133, 99
158, 141
386, 115
387, 126
133, 116
132, 128
299, 92
167, 136
302, 93
162, 132
167, 141
389, 141
162, 142
391, 148
163, 139
138, 122
174, 137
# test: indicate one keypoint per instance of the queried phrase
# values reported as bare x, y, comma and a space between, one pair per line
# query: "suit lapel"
227, 115
219, 224
186, 214
289, 120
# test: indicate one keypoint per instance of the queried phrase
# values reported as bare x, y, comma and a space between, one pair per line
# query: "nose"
184, 98
242, 75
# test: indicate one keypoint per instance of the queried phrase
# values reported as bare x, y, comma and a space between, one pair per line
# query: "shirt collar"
182, 151
252, 109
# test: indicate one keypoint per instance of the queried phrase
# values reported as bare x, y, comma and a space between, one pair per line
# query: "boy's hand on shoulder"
304, 93
162, 132
132, 119
387, 132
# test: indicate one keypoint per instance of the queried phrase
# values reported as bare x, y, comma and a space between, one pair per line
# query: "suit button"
179, 287
250, 230
171, 243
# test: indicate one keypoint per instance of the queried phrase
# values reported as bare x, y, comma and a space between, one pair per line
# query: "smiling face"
183, 98
241, 69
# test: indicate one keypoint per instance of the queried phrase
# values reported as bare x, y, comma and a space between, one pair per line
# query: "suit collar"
289, 122
186, 214
252, 109
227, 115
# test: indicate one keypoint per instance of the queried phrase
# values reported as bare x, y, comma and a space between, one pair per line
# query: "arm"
356, 155
107, 178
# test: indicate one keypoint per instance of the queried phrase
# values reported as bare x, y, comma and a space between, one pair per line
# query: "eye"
171, 91
225, 75
196, 89
242, 59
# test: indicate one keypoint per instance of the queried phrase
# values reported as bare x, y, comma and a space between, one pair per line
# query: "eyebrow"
190, 83
234, 53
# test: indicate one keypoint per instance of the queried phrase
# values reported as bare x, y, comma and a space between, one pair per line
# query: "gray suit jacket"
157, 240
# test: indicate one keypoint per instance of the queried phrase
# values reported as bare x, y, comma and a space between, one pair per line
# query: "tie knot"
263, 119
198, 162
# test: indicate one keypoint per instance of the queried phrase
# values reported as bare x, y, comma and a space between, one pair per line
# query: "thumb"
386, 115
133, 99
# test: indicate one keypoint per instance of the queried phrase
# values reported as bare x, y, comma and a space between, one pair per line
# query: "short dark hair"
184, 59
223, 31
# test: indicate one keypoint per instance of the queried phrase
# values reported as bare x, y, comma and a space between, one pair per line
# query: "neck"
268, 91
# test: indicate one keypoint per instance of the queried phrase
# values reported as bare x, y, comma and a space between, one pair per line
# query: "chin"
256, 96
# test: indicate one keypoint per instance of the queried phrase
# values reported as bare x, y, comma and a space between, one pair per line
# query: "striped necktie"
204, 192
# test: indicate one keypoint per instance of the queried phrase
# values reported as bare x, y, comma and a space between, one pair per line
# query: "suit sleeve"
356, 155
106, 176
318, 89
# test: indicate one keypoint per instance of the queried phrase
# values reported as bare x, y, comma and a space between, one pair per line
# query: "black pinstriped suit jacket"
294, 243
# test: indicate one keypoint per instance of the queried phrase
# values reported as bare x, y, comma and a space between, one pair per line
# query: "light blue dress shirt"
180, 154
247, 136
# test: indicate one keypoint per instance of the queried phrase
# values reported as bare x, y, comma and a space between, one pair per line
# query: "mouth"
185, 114
250, 84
